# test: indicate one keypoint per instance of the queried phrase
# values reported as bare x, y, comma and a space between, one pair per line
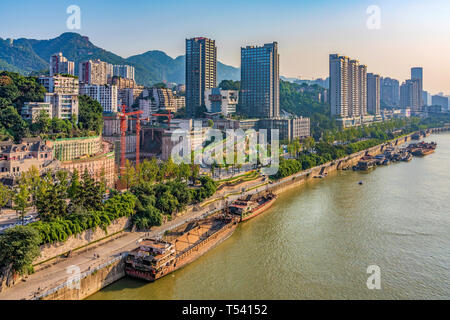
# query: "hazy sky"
412, 32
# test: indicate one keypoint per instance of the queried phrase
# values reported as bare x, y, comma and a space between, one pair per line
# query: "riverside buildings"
373, 93
201, 72
417, 74
409, 95
349, 92
260, 81
442, 101
390, 92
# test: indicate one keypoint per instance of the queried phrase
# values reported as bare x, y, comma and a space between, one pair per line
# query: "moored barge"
248, 208
155, 258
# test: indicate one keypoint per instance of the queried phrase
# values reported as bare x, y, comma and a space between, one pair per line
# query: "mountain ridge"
32, 55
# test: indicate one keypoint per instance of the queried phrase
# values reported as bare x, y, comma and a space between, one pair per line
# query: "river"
317, 241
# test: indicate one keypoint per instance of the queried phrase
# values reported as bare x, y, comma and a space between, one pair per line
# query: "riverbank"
98, 278
317, 241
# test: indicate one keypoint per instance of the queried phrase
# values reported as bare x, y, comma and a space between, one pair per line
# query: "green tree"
90, 114
20, 246
5, 196
21, 199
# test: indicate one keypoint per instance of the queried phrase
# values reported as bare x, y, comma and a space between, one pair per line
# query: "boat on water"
249, 208
155, 258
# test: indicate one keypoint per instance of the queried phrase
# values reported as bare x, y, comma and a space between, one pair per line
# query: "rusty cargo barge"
248, 208
155, 258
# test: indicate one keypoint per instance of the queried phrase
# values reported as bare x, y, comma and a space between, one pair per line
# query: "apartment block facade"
201, 72
105, 94
95, 72
60, 65
260, 81
373, 94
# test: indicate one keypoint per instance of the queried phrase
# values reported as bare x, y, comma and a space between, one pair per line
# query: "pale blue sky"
412, 33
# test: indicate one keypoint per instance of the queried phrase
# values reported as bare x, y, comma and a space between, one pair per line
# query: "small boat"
360, 183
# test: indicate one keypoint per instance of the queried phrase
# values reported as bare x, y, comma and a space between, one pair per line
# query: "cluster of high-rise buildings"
357, 97
354, 94
259, 94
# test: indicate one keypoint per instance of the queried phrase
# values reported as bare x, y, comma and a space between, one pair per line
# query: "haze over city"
411, 33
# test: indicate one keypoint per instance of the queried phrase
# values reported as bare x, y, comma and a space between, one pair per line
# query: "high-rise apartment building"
260, 81
124, 71
62, 94
348, 87
373, 93
106, 95
339, 88
362, 89
409, 95
95, 72
390, 92
60, 65
417, 74
201, 72
60, 84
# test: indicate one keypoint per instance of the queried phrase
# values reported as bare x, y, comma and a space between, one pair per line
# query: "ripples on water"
317, 241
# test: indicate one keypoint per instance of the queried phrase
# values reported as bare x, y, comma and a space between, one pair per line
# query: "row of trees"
152, 171
336, 144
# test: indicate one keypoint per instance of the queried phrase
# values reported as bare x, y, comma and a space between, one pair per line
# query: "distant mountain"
28, 55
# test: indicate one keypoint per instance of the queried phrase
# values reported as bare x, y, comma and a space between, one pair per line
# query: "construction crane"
168, 115
123, 128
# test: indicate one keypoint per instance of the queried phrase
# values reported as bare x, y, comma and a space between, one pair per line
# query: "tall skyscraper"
417, 74
354, 88
339, 90
390, 92
373, 93
362, 89
409, 95
201, 72
260, 80
60, 65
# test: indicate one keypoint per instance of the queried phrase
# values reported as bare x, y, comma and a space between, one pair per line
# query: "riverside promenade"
45, 279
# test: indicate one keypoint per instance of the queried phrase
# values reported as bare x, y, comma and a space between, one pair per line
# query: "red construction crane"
123, 128
168, 115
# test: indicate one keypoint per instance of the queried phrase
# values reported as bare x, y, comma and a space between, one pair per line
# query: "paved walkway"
55, 275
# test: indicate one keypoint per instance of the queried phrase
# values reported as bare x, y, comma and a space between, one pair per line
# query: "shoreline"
96, 279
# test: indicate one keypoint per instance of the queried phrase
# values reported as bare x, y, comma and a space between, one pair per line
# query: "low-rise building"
221, 101
18, 158
31, 110
73, 148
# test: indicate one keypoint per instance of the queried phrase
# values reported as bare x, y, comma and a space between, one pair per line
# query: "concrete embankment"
94, 280
82, 285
